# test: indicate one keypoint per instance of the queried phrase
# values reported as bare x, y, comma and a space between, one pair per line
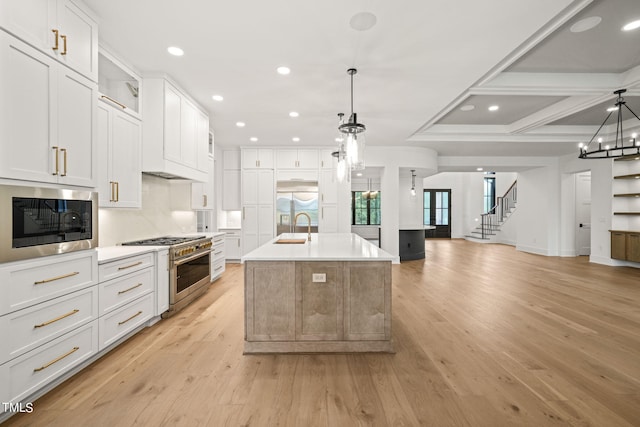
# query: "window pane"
438, 200
427, 199
445, 216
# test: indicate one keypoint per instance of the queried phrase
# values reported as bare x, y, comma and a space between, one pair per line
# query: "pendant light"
621, 148
354, 134
369, 195
413, 183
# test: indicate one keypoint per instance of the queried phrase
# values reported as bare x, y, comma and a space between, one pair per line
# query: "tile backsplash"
166, 210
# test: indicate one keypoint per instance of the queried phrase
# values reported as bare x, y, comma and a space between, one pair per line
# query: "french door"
437, 212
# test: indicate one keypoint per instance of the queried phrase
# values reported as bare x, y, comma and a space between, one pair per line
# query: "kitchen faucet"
295, 221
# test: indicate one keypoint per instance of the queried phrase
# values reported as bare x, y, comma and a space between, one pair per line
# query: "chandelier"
621, 148
413, 183
351, 140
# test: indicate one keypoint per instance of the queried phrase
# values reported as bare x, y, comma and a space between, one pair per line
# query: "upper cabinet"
47, 117
118, 85
119, 177
297, 159
175, 140
202, 195
257, 158
327, 161
59, 28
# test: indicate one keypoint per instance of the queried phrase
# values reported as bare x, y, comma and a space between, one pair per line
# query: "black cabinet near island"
412, 242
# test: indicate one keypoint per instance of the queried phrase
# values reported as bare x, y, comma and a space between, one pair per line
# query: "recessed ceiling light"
295, 139
632, 25
479, 169
610, 109
585, 24
175, 51
494, 108
253, 139
283, 70
467, 107
599, 139
217, 98
359, 174
240, 124
294, 114
363, 21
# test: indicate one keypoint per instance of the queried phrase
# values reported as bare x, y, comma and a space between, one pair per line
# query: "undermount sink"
291, 241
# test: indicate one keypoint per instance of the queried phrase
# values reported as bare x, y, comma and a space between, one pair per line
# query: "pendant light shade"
413, 183
353, 133
622, 147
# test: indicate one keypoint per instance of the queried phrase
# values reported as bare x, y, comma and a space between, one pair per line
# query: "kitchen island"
331, 294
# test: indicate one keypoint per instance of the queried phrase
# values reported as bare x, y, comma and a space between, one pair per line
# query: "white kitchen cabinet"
127, 296
327, 161
231, 160
118, 85
328, 188
328, 221
175, 132
297, 159
48, 113
202, 196
232, 244
59, 28
218, 256
257, 158
119, 165
162, 281
231, 190
257, 187
257, 226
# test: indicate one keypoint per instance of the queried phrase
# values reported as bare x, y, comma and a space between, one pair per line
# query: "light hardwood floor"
484, 336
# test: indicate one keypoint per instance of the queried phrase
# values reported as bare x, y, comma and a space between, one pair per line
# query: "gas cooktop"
163, 241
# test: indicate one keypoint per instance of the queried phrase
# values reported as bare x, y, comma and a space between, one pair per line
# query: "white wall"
166, 210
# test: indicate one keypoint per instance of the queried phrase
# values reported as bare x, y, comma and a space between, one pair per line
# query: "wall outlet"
319, 277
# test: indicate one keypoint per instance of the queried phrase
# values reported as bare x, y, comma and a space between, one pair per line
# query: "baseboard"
532, 250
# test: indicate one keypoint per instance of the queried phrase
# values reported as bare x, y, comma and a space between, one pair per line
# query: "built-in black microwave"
46, 221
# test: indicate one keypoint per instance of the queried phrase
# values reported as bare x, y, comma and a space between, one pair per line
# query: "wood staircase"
489, 227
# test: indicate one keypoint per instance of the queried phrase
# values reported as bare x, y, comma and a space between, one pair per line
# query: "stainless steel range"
189, 267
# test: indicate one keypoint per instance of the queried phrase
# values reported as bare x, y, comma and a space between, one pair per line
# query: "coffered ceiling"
417, 67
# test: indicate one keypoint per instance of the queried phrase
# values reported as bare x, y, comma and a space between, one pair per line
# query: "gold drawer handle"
129, 266
64, 44
64, 156
114, 101
71, 313
45, 366
130, 289
217, 268
57, 150
53, 279
217, 253
56, 45
126, 320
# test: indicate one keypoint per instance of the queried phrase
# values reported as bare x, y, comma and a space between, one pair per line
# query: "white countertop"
323, 247
113, 253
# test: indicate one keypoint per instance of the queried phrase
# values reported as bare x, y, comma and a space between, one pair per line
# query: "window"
489, 193
364, 211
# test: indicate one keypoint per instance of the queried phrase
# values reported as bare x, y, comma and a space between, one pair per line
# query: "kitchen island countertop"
322, 247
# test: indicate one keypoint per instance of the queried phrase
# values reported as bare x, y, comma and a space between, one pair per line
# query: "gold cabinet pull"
56, 45
129, 266
57, 359
53, 279
130, 289
204, 200
64, 154
217, 253
56, 149
117, 191
132, 317
64, 45
217, 268
48, 322
113, 193
114, 101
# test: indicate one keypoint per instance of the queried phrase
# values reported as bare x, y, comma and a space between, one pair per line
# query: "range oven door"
189, 275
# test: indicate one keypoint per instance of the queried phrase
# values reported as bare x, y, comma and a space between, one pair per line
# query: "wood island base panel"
317, 306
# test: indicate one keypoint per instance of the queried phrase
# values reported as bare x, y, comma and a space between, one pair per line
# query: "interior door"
437, 212
583, 213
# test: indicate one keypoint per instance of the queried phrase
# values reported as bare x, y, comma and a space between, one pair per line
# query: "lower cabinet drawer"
217, 268
120, 322
217, 253
121, 291
31, 327
24, 375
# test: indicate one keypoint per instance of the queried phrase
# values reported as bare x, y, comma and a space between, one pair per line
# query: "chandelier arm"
619, 127
632, 111
599, 129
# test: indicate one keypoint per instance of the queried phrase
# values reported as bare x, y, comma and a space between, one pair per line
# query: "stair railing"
497, 214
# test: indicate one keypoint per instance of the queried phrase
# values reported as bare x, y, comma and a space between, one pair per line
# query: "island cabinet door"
319, 301
367, 311
270, 300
